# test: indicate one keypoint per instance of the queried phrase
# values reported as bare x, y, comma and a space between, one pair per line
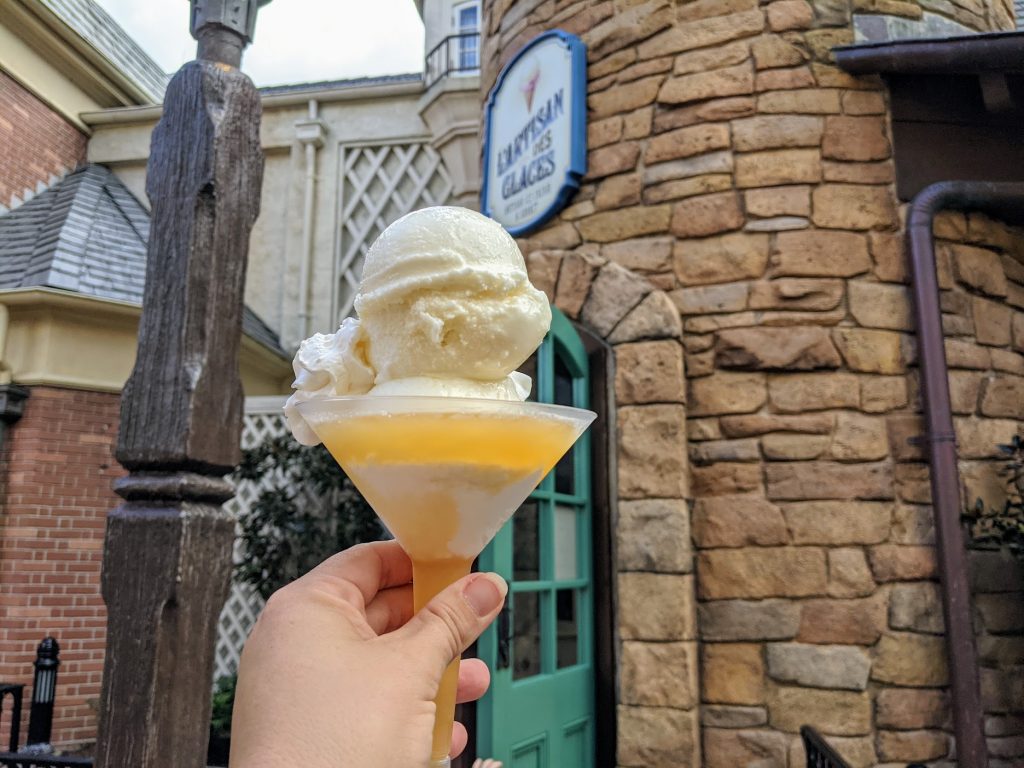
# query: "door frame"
604, 493
604, 486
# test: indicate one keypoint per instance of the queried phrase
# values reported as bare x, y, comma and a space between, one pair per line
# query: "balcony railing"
455, 55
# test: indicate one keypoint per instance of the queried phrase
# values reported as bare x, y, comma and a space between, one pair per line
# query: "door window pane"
530, 369
526, 543
565, 473
568, 628
565, 470
563, 382
566, 565
526, 635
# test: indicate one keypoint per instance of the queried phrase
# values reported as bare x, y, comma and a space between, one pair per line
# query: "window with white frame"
466, 24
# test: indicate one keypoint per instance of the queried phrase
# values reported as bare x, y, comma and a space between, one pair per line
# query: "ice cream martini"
419, 399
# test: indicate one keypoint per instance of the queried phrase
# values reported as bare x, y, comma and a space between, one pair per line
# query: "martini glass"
444, 474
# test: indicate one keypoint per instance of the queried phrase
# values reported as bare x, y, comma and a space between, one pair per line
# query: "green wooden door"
539, 712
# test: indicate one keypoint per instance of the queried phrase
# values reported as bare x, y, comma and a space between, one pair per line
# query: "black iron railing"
819, 753
16, 691
14, 760
456, 54
38, 753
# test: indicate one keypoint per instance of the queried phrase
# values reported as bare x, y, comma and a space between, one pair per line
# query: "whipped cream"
327, 365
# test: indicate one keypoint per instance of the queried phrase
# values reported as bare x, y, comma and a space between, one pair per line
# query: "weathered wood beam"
168, 552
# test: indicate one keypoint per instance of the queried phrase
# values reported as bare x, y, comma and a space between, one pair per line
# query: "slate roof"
356, 82
94, 25
88, 234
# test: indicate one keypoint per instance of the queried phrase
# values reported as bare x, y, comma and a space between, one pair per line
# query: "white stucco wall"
371, 115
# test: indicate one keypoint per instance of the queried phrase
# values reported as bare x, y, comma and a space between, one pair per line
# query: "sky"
296, 40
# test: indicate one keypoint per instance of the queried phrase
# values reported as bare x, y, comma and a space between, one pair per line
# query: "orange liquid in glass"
444, 483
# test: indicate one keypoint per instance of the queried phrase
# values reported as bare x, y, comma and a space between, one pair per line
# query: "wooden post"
167, 558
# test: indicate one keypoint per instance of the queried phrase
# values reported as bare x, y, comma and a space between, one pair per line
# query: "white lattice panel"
379, 184
263, 419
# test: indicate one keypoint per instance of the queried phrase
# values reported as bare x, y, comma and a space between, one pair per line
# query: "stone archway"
655, 616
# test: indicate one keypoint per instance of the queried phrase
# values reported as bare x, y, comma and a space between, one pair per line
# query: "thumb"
456, 617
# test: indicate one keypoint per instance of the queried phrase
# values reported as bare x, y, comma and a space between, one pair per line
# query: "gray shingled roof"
98, 29
88, 234
355, 82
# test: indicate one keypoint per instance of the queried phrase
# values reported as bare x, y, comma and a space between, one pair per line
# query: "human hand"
338, 673
488, 763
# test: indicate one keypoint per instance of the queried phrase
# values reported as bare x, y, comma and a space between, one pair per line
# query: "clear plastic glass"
444, 474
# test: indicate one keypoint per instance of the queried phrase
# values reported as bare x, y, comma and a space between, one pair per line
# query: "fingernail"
485, 593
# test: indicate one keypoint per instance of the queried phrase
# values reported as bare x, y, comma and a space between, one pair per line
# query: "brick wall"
35, 142
735, 170
58, 466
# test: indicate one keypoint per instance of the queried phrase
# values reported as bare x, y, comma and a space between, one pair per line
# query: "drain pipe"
310, 133
972, 751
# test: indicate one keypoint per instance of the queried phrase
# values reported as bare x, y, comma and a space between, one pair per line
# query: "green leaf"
307, 509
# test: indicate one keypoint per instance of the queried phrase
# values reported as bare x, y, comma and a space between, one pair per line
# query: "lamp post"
167, 555
44, 691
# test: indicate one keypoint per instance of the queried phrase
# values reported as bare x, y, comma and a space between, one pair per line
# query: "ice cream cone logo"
529, 86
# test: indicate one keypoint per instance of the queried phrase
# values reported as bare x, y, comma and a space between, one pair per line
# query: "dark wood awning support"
167, 556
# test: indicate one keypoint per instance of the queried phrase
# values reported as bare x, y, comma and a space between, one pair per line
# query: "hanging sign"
535, 133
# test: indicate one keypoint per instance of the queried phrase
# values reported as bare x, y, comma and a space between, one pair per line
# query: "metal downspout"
312, 140
971, 749
12, 396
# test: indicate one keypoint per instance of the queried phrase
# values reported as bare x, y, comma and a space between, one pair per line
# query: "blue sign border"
577, 131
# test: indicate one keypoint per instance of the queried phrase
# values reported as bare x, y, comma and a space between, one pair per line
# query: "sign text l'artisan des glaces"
535, 133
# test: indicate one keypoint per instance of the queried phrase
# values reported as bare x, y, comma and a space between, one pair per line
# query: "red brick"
55, 500
35, 141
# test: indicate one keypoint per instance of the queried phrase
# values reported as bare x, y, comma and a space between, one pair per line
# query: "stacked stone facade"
58, 466
979, 15
736, 173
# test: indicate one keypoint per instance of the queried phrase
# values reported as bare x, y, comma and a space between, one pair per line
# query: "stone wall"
880, 20
977, 15
998, 585
733, 167
656, 623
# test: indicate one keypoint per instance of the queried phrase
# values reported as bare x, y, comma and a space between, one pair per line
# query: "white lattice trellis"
379, 184
263, 419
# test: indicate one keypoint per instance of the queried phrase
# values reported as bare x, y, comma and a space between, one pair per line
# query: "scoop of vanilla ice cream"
445, 294
445, 307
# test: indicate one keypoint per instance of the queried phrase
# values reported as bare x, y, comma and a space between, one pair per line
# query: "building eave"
56, 338
998, 52
55, 298
83, 62
295, 98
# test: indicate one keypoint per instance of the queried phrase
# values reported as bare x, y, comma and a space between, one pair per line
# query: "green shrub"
1003, 527
223, 703
307, 510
